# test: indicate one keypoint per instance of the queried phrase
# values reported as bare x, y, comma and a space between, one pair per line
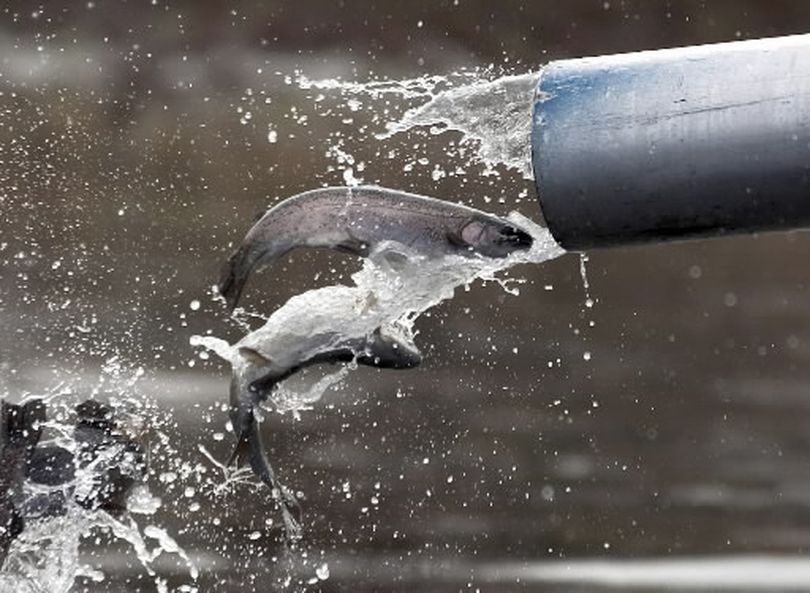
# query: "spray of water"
495, 116
395, 285
491, 113
47, 556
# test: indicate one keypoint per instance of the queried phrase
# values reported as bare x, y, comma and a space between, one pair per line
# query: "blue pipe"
674, 143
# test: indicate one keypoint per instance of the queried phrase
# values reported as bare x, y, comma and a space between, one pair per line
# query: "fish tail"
253, 254
290, 508
242, 419
235, 273
250, 448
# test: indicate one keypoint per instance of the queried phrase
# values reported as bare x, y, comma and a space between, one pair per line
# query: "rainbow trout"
356, 220
262, 365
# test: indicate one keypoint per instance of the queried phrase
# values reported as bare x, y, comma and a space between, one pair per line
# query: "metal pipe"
674, 143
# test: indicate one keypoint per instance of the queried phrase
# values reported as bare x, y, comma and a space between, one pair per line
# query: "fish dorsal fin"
392, 348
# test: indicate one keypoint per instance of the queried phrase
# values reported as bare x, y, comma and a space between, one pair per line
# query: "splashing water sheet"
48, 555
491, 113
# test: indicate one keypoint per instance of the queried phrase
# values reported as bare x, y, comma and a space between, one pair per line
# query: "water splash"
494, 116
46, 557
583, 274
423, 87
492, 113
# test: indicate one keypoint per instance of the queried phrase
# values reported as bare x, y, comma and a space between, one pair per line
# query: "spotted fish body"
356, 220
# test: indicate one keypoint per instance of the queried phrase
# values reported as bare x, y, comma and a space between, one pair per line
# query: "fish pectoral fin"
353, 246
390, 348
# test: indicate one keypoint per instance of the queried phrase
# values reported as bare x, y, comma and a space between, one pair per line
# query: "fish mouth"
515, 238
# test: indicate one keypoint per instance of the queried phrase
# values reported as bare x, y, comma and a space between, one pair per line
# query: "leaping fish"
356, 220
260, 370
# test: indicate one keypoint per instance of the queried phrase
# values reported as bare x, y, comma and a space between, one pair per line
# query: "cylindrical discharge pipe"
674, 143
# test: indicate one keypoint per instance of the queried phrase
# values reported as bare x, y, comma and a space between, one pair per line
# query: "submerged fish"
260, 368
356, 220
